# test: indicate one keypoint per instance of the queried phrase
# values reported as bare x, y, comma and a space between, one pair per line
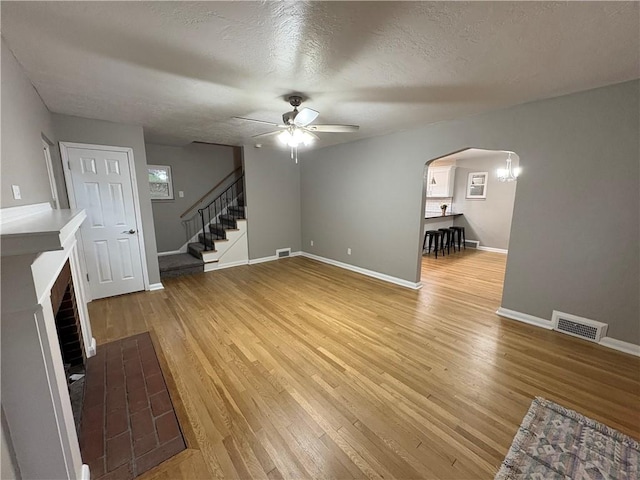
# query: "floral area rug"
554, 442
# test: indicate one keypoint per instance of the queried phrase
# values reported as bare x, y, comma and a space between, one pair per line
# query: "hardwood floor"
297, 369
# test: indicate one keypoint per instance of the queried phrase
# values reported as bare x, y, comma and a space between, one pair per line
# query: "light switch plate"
180, 193
16, 192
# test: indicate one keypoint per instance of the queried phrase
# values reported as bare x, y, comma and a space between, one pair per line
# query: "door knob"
130, 232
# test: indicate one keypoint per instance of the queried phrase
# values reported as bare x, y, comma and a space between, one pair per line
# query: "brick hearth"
128, 422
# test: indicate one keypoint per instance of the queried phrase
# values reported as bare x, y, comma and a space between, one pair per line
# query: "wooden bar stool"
431, 235
461, 236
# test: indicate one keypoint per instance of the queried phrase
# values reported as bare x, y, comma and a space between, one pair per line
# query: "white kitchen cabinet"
440, 181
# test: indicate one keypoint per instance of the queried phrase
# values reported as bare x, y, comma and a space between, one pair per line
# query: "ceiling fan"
297, 127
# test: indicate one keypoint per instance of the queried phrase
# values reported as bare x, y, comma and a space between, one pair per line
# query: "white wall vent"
283, 252
578, 326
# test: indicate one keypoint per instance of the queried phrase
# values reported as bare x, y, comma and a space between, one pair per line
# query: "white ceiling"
183, 69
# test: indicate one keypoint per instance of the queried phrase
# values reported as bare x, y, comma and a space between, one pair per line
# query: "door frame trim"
136, 203
46, 148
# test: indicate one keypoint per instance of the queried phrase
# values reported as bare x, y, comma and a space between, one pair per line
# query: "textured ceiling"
183, 69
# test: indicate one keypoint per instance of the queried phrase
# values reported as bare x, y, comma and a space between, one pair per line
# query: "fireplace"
69, 329
65, 310
45, 328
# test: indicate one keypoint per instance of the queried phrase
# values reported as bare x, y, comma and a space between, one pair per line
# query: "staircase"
222, 241
223, 244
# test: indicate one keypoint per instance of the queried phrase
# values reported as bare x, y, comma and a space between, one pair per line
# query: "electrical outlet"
312, 243
348, 251
180, 194
16, 192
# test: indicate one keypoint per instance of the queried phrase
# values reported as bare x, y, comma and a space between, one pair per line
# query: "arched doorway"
463, 190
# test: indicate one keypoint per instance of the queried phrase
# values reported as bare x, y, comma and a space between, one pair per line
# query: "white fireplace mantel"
39, 230
36, 243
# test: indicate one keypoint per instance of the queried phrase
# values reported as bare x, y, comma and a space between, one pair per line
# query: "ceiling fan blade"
306, 129
268, 134
257, 121
305, 117
334, 128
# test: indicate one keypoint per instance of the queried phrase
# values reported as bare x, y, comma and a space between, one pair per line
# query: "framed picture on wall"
160, 182
477, 185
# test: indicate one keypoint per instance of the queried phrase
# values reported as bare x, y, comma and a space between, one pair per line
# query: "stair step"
228, 221
217, 229
197, 249
236, 212
208, 238
180, 264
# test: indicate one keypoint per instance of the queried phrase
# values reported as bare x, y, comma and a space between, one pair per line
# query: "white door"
102, 185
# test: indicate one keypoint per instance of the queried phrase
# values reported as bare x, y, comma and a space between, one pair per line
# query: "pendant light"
508, 174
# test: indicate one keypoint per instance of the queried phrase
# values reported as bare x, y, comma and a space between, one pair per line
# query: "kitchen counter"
429, 215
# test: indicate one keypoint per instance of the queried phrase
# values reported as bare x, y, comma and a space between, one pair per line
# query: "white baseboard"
346, 266
172, 252
212, 266
621, 346
271, 258
491, 249
608, 342
255, 261
525, 318
477, 246
156, 286
364, 271
84, 472
91, 351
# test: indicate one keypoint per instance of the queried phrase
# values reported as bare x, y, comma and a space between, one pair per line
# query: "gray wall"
364, 196
85, 130
272, 183
487, 220
580, 155
195, 169
25, 119
8, 465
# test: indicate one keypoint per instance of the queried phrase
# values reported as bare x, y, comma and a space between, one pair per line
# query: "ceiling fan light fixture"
285, 137
297, 138
307, 138
294, 137
297, 127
